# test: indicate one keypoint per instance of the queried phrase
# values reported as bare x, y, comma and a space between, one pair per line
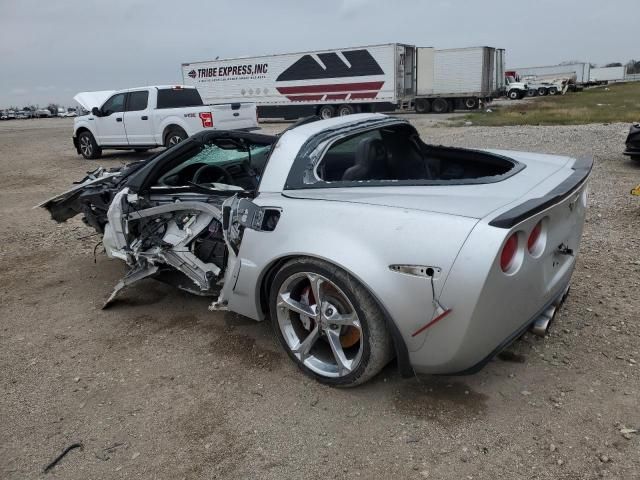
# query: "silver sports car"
358, 241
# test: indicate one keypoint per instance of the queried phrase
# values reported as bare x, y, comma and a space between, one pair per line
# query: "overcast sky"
50, 50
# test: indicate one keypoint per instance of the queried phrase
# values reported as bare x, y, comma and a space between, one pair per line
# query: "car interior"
228, 161
397, 153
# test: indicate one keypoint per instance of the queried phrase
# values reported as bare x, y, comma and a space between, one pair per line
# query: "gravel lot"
158, 387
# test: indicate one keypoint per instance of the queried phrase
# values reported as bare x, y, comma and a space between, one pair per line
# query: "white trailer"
579, 71
323, 82
606, 75
457, 78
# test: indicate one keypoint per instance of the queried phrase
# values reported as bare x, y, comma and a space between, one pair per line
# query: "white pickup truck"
143, 118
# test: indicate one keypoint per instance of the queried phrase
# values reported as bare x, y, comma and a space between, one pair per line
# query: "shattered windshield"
227, 164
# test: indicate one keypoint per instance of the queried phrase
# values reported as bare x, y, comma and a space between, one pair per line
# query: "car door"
110, 123
137, 119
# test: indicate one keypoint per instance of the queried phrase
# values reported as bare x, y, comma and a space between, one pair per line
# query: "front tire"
174, 136
88, 146
471, 103
328, 323
514, 94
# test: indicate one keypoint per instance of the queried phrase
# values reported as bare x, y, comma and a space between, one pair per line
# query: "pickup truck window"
178, 97
137, 101
114, 104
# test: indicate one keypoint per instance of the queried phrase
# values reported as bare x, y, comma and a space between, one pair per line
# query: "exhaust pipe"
541, 325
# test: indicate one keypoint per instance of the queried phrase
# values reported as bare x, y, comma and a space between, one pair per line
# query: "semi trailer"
339, 82
325, 82
458, 78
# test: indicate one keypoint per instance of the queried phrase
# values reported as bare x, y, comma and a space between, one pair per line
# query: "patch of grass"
615, 103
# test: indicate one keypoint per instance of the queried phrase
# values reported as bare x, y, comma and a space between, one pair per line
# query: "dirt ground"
159, 387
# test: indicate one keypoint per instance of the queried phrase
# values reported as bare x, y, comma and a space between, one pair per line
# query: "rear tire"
423, 105
326, 111
553, 90
542, 91
89, 148
174, 136
344, 110
440, 105
470, 103
341, 355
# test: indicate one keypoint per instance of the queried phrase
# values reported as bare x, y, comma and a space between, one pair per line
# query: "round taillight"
509, 252
533, 237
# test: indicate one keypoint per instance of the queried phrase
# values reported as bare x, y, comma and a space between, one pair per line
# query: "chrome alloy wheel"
174, 140
85, 146
319, 324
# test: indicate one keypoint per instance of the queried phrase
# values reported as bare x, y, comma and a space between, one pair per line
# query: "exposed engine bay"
174, 232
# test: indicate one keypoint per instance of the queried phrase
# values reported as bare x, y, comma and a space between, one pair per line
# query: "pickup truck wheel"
345, 110
328, 323
326, 111
89, 149
423, 105
174, 137
440, 105
514, 94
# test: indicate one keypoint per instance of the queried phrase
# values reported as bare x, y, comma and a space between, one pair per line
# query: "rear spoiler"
581, 170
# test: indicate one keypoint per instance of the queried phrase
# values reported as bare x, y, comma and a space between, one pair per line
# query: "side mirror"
95, 111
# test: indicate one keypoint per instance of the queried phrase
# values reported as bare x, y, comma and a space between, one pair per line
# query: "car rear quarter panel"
363, 240
488, 306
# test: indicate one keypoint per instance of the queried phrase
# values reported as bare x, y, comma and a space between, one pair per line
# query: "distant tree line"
633, 66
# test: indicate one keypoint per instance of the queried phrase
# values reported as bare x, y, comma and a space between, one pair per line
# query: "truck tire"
326, 111
174, 136
553, 90
531, 92
422, 105
470, 103
345, 110
440, 105
542, 91
88, 146
514, 94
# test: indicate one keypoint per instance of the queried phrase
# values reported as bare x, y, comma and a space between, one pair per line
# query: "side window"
137, 101
178, 97
341, 157
114, 104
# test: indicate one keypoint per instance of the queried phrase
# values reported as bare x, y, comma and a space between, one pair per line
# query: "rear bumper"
632, 152
558, 300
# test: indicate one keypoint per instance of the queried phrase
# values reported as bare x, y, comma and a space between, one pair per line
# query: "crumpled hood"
88, 100
472, 200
